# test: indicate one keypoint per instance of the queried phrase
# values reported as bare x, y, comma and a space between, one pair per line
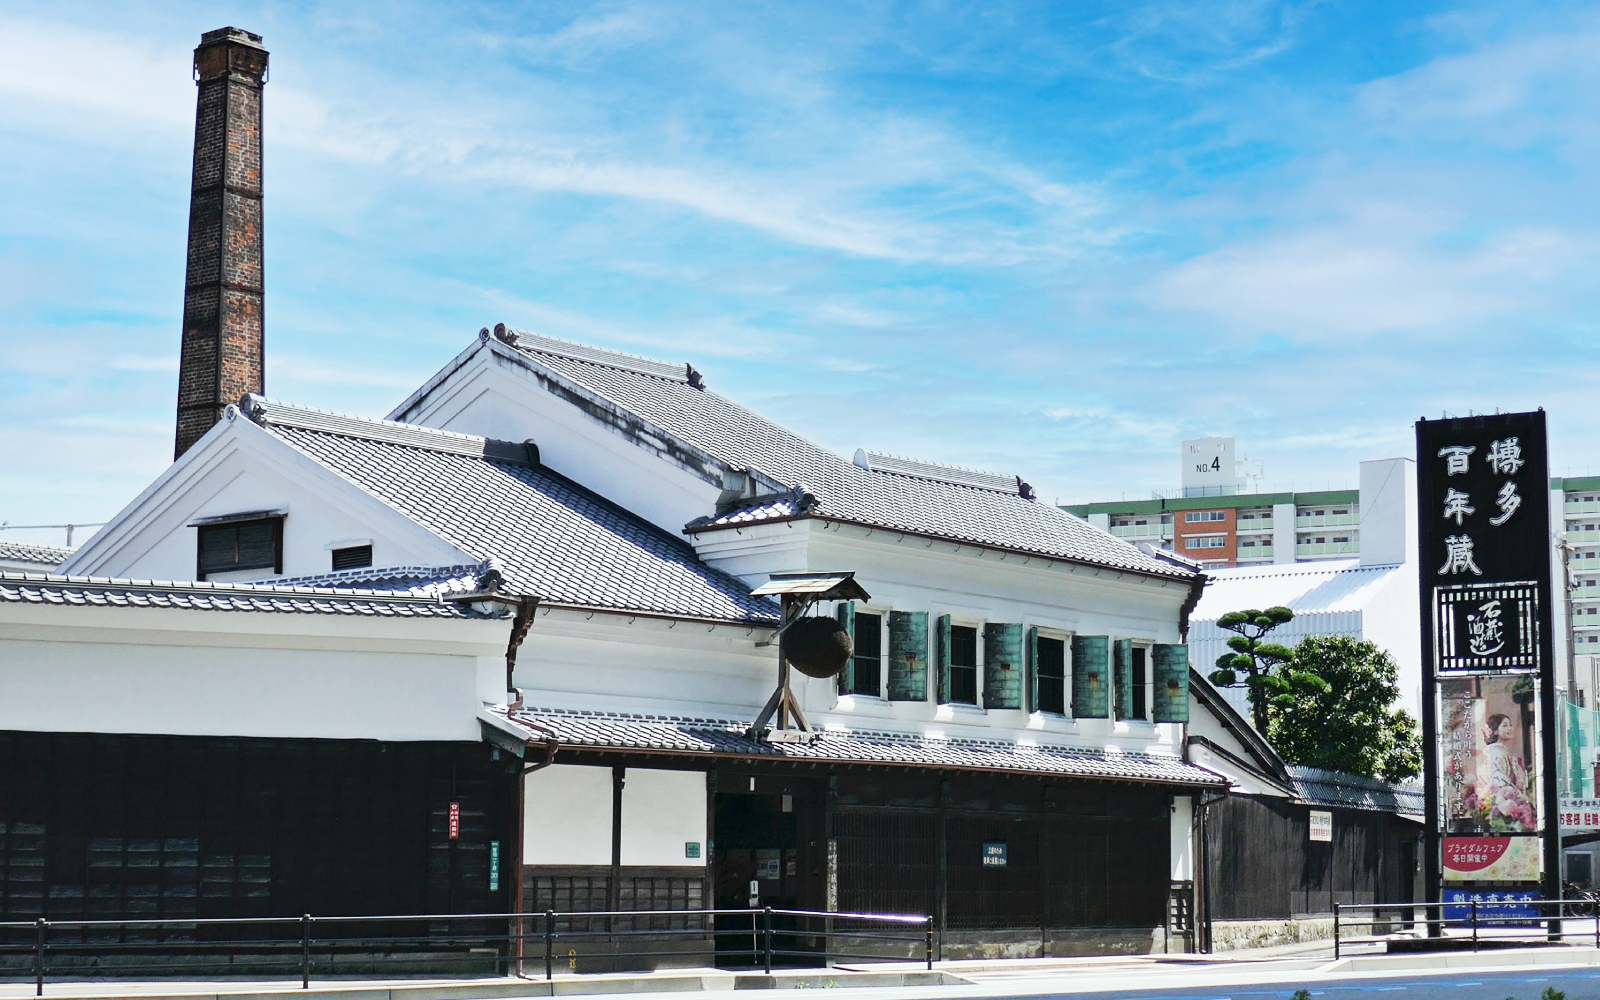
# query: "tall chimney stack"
223, 304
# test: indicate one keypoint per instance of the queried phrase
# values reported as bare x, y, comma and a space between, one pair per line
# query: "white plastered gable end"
236, 467
495, 391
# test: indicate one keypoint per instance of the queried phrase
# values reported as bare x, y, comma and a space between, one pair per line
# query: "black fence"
461, 945
1466, 924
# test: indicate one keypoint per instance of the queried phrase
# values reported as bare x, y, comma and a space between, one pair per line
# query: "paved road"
1577, 984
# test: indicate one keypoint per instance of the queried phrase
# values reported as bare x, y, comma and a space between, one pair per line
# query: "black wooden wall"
122, 827
1263, 863
1078, 854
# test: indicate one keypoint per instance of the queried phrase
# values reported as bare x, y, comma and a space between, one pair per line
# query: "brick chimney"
223, 314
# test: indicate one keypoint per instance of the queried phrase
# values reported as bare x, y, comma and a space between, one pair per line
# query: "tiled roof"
554, 539
1353, 791
44, 555
418, 581
90, 591
725, 738
964, 511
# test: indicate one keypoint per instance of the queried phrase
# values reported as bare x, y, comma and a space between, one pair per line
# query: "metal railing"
1465, 921
461, 944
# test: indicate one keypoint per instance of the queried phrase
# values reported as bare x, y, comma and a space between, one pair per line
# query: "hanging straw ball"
818, 647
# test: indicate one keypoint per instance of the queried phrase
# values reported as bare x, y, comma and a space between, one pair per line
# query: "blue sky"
1049, 239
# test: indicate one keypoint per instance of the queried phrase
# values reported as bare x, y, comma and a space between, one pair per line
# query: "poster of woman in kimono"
1489, 734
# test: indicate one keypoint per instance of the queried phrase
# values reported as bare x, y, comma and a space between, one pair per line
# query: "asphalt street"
1577, 984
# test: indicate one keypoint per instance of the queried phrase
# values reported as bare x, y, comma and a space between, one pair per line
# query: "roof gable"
912, 497
554, 539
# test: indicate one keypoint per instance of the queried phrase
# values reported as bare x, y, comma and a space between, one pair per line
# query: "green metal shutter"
1171, 669
908, 656
1122, 677
1002, 665
1031, 682
1091, 662
847, 618
941, 654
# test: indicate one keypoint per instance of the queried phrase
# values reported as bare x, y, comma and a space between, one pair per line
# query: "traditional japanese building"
516, 648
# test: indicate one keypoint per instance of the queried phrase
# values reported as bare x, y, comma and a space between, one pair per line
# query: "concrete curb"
493, 989
1556, 954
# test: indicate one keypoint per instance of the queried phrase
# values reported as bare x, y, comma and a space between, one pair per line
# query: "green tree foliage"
1269, 672
1351, 725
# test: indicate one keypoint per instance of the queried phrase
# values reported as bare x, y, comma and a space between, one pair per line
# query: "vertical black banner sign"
1484, 544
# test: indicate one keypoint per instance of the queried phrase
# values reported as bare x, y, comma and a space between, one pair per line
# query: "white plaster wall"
1182, 838
157, 671
661, 812
239, 467
567, 816
502, 399
916, 574
1203, 723
622, 663
1392, 620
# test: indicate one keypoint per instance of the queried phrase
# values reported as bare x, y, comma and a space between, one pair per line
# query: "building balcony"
1581, 536
1583, 507
1262, 527
1326, 520
1142, 531
1326, 550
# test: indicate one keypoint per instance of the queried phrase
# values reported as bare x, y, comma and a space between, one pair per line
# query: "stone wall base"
1234, 935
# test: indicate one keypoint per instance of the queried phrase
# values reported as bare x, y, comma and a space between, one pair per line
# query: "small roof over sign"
822, 586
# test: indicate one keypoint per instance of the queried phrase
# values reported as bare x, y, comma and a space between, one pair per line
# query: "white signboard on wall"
1209, 467
1322, 826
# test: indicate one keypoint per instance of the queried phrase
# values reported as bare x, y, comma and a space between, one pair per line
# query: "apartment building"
1575, 508
1221, 524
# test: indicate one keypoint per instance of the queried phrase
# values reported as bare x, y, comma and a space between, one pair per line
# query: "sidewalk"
954, 979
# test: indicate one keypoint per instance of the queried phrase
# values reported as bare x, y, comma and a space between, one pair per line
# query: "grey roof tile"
553, 538
706, 737
93, 591
44, 555
961, 511
1318, 786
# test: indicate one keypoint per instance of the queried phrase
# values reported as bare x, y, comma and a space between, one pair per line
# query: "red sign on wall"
455, 821
1471, 859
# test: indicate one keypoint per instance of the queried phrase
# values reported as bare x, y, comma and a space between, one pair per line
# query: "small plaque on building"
691, 849
494, 866
1322, 826
994, 855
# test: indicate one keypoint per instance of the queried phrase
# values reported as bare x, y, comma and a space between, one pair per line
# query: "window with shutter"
1141, 689
233, 546
963, 665
867, 663
1122, 677
941, 653
846, 613
1091, 663
908, 656
1050, 675
354, 557
1002, 665
1171, 668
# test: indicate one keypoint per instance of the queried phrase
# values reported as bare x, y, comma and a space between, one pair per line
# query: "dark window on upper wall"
1139, 673
241, 545
354, 557
868, 659
1052, 672
963, 665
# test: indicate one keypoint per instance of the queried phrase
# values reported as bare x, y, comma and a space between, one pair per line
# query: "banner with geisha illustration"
1490, 742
